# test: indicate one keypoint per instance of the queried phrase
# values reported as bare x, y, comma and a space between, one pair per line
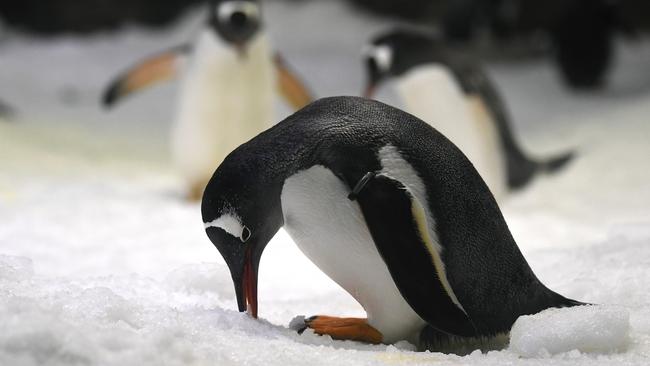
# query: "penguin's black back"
484, 266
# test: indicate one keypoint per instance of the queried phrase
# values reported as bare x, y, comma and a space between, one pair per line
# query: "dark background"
580, 33
81, 16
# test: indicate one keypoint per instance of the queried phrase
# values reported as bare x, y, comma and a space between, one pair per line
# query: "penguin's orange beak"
249, 286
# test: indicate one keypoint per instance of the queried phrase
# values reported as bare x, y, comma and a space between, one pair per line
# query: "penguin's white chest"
225, 100
432, 94
331, 231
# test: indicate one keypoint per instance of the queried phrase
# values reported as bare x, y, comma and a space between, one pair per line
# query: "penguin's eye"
245, 234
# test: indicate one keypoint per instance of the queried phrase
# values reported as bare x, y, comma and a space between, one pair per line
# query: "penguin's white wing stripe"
423, 228
395, 167
228, 223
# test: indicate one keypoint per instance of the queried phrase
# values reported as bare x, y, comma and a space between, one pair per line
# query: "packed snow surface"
592, 329
103, 262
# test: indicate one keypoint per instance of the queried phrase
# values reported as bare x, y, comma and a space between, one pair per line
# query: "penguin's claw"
353, 329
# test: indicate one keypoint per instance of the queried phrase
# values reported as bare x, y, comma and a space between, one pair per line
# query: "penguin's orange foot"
354, 329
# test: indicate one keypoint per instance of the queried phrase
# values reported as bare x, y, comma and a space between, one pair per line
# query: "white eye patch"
227, 8
383, 56
232, 225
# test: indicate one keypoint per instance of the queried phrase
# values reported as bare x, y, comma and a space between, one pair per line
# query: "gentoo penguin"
459, 100
389, 209
228, 88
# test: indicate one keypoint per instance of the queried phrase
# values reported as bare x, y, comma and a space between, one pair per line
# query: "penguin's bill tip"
245, 282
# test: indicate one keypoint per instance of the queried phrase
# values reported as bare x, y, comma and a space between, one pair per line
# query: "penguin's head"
235, 21
241, 216
395, 53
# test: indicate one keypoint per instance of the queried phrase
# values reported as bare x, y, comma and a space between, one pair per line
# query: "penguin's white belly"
331, 231
431, 94
225, 101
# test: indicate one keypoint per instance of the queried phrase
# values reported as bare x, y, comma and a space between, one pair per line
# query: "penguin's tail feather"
558, 162
551, 299
564, 302
521, 169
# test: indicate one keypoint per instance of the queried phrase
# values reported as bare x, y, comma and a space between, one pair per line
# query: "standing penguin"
389, 209
459, 100
227, 92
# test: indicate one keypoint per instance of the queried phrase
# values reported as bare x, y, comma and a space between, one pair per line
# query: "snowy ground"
101, 262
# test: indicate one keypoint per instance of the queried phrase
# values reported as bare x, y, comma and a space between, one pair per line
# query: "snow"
591, 329
102, 262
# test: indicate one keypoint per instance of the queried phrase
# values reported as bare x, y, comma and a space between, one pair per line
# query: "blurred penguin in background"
230, 79
458, 99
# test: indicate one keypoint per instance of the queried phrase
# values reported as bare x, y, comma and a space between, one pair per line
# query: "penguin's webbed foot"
353, 329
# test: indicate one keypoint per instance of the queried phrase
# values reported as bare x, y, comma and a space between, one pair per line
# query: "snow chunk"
15, 268
298, 323
588, 329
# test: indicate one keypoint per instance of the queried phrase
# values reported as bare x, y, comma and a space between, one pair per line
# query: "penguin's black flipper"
520, 168
398, 226
159, 67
